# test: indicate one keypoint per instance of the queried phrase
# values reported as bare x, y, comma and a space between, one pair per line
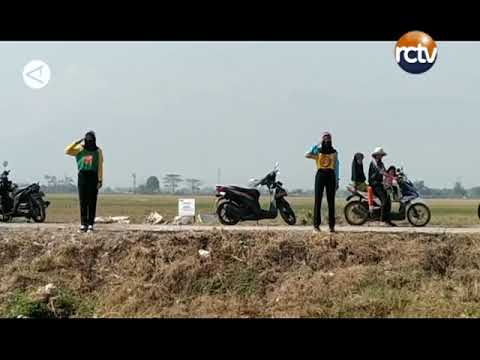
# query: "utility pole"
134, 176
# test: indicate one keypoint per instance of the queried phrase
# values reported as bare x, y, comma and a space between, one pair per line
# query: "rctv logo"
416, 52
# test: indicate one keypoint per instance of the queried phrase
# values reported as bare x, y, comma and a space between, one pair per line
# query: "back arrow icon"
29, 74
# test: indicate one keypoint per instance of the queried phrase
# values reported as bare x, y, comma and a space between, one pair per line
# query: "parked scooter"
359, 210
236, 203
24, 202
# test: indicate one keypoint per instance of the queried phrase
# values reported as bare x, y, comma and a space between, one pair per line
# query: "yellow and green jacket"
87, 160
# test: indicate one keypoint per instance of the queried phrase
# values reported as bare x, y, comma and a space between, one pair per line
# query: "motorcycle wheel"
224, 216
356, 213
38, 210
418, 215
286, 212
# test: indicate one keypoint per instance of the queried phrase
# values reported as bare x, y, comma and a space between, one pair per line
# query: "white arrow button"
36, 74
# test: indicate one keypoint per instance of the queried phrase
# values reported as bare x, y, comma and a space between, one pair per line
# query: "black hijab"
358, 175
90, 145
327, 148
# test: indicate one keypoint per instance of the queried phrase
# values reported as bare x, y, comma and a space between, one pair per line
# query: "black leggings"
87, 192
384, 198
325, 179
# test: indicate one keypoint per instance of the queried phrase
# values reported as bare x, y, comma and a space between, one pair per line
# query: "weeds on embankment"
254, 274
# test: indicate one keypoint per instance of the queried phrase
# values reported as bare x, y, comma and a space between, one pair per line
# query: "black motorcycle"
24, 202
236, 203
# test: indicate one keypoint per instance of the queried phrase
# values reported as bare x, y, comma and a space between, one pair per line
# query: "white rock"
46, 291
49, 288
207, 219
154, 218
204, 253
112, 219
183, 220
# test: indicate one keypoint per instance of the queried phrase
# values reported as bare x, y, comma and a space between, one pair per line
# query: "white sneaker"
82, 229
90, 228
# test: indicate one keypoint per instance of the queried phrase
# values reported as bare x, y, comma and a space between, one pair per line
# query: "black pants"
325, 179
382, 194
87, 192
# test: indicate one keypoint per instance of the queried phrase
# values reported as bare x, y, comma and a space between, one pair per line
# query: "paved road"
179, 228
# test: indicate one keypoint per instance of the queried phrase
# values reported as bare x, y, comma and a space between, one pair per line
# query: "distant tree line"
175, 184
172, 185
55, 185
457, 191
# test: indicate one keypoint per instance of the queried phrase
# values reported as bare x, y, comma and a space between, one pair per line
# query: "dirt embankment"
219, 274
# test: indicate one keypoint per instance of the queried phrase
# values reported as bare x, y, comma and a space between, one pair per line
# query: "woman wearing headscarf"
358, 175
327, 177
89, 158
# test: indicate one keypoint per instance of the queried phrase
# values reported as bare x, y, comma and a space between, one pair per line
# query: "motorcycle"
358, 210
24, 202
236, 203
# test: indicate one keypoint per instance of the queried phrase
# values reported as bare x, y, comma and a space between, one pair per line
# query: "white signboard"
186, 207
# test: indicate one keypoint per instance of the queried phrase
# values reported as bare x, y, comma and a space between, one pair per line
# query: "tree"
475, 192
194, 184
459, 190
422, 188
171, 181
296, 191
152, 185
141, 189
51, 180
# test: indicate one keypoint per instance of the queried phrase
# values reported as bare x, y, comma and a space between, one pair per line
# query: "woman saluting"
326, 159
89, 158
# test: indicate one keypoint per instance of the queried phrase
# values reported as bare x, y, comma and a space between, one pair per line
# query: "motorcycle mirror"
253, 182
5, 164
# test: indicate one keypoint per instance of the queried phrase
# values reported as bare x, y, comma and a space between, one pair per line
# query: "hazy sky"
193, 107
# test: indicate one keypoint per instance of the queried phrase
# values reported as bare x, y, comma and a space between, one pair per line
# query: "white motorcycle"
412, 207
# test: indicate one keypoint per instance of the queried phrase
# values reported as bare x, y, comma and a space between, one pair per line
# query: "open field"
247, 274
65, 208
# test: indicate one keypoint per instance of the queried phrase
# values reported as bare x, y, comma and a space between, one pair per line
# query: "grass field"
65, 208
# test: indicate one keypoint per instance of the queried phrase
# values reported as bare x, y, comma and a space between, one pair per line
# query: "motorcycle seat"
252, 192
19, 190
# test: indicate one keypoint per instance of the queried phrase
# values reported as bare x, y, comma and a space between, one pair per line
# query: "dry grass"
247, 275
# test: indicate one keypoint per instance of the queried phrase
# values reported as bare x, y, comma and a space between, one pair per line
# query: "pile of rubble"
112, 220
154, 218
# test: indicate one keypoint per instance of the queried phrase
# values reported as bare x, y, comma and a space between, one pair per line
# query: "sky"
193, 107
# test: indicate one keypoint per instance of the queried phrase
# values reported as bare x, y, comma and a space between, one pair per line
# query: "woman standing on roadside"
89, 158
327, 177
